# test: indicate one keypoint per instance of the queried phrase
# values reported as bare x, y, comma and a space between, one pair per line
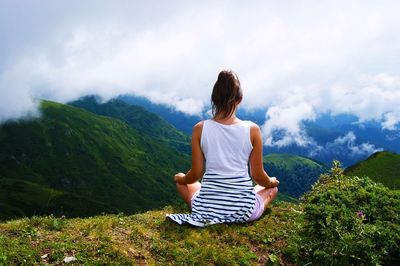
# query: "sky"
297, 58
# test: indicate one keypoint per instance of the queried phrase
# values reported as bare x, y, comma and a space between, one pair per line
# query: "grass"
382, 167
149, 238
290, 160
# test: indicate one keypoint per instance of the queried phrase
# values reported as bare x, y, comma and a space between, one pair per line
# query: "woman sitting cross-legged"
226, 144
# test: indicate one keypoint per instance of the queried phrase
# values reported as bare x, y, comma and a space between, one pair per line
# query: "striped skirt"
221, 199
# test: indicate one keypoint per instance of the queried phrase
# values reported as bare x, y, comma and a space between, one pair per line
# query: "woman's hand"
274, 181
179, 178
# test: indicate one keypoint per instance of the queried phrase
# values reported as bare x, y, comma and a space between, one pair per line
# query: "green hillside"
74, 162
295, 173
383, 167
138, 118
343, 220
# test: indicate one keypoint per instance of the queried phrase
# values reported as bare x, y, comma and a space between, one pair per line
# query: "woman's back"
226, 148
226, 193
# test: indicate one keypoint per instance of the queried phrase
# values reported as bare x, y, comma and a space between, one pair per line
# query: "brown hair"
226, 93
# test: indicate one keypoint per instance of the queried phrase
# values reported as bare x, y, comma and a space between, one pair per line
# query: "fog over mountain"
297, 61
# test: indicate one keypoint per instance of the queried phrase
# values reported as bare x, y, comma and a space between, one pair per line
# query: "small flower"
361, 215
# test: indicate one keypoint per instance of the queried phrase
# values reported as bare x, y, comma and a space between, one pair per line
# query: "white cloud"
298, 59
390, 120
189, 106
286, 119
347, 145
369, 97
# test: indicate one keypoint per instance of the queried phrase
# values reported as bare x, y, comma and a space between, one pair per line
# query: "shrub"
350, 220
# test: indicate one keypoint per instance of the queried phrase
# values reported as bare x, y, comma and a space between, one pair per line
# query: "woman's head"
226, 94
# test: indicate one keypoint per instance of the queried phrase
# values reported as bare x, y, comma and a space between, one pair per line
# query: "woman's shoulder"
199, 126
254, 129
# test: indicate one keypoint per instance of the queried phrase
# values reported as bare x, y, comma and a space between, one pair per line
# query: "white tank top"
226, 148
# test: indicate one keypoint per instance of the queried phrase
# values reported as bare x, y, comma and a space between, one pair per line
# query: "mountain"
178, 119
185, 122
329, 120
374, 134
295, 173
138, 118
76, 163
382, 167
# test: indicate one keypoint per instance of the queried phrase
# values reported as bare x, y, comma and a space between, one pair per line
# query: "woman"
226, 144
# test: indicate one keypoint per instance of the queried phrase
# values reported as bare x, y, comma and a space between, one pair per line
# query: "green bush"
350, 220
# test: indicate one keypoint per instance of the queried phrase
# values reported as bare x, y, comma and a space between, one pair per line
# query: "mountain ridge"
138, 118
90, 158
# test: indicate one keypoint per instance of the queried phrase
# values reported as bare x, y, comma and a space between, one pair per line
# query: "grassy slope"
383, 167
290, 161
138, 118
149, 238
295, 173
101, 164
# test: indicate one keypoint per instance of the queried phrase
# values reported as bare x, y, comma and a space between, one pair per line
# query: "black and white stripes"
221, 200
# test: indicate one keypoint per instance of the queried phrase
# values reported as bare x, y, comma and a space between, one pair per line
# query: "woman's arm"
256, 160
197, 170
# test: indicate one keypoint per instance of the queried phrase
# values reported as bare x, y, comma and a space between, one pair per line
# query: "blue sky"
298, 58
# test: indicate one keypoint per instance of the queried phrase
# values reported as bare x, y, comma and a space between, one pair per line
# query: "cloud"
370, 97
299, 59
285, 120
390, 120
189, 106
347, 145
